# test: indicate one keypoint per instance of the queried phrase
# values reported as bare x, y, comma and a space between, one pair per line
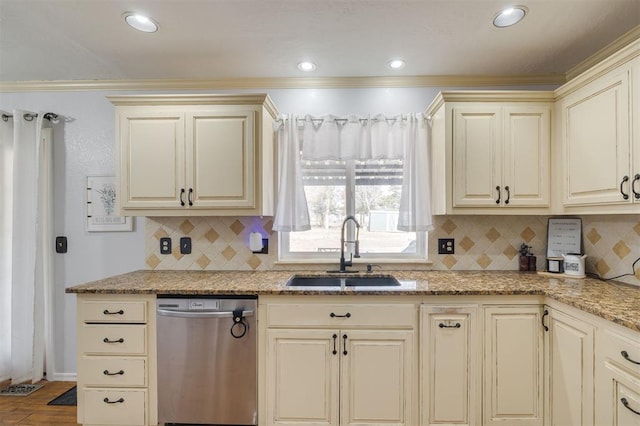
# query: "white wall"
84, 145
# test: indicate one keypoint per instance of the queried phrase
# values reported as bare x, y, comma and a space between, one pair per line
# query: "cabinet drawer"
341, 315
113, 339
113, 371
131, 411
622, 349
113, 311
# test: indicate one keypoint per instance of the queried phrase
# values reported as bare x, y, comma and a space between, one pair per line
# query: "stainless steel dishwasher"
207, 360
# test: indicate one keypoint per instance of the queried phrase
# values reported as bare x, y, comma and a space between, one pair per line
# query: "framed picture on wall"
101, 206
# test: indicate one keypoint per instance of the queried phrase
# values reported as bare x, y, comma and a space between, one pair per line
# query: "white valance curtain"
26, 268
330, 137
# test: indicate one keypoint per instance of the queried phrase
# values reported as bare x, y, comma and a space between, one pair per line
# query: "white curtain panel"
330, 137
6, 214
29, 219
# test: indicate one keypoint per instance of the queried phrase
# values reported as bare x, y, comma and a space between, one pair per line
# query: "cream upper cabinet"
491, 152
450, 365
598, 149
569, 346
195, 155
350, 368
513, 366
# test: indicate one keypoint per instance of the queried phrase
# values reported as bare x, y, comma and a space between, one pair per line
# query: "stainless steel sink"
332, 281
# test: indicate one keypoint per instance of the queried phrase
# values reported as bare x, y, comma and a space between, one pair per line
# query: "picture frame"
101, 206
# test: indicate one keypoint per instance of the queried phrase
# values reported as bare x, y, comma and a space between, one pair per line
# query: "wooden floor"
33, 409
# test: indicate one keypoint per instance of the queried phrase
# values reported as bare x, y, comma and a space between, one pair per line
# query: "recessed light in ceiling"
509, 16
140, 22
396, 64
306, 66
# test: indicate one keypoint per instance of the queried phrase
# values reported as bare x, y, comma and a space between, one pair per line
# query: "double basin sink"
342, 281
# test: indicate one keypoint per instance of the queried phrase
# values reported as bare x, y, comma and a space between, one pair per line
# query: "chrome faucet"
344, 263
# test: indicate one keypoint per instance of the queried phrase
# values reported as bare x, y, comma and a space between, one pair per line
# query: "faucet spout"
343, 262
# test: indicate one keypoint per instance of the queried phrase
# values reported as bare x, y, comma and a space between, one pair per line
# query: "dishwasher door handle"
195, 314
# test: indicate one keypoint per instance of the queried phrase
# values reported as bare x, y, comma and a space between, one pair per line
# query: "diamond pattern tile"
510, 251
160, 233
449, 261
237, 227
229, 253
175, 252
212, 235
203, 261
528, 234
449, 226
621, 249
637, 228
484, 261
492, 235
186, 227
466, 243
153, 261
254, 262
593, 236
602, 268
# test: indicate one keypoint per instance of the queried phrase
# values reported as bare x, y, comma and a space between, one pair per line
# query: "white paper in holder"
255, 241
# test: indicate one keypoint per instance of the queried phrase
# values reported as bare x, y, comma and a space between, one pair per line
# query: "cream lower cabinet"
513, 366
116, 360
450, 365
190, 155
569, 346
352, 368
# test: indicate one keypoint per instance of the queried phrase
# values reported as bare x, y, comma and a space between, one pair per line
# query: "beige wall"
612, 243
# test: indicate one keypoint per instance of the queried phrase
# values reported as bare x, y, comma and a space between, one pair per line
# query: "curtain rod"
29, 117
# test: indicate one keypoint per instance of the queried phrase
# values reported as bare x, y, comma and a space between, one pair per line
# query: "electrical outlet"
185, 245
165, 245
446, 246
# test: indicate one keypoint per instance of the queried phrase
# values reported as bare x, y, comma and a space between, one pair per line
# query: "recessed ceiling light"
396, 64
509, 16
140, 22
306, 66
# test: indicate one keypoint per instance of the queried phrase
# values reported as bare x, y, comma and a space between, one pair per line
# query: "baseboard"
63, 377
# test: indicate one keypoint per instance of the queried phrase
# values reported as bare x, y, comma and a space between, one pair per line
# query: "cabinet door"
151, 159
221, 153
302, 377
513, 370
377, 378
477, 156
596, 133
618, 396
527, 139
570, 370
449, 366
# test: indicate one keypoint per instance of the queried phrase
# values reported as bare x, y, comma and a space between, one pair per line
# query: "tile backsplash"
612, 243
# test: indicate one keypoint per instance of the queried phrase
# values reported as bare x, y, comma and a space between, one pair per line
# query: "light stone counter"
616, 302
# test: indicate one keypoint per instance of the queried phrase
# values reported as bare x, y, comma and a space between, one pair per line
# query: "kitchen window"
368, 190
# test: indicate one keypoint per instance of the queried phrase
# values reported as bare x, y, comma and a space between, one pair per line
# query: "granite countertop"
610, 300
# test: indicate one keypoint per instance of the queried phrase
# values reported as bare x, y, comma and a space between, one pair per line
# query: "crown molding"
285, 83
602, 54
489, 96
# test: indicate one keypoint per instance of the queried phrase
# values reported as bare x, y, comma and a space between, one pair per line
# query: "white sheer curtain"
6, 214
27, 179
330, 137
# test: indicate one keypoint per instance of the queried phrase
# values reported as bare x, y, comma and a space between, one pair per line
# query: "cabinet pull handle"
344, 344
335, 336
498, 189
442, 325
636, 194
182, 197
544, 314
106, 340
118, 401
117, 373
107, 312
626, 405
624, 196
189, 196
506, 188
347, 315
625, 355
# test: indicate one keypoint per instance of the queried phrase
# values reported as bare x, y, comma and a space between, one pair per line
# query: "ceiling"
231, 39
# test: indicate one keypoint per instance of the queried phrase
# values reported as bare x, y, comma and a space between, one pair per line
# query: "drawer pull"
106, 340
118, 401
624, 196
344, 344
442, 325
117, 373
120, 312
335, 336
544, 314
498, 189
347, 315
625, 355
626, 405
